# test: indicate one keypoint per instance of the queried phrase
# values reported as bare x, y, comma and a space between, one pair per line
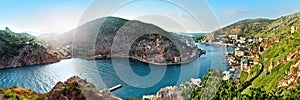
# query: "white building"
233, 36
196, 82
226, 75
293, 29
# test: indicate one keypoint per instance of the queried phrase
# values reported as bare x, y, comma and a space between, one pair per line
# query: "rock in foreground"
74, 88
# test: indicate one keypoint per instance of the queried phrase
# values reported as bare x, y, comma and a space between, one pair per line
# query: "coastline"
148, 62
112, 57
217, 44
17, 66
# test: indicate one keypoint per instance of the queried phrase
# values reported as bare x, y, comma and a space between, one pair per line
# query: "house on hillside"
293, 29
176, 59
240, 51
226, 75
244, 64
233, 36
242, 40
256, 60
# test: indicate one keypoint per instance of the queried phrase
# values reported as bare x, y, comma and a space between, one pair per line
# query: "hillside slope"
22, 49
281, 53
116, 37
281, 48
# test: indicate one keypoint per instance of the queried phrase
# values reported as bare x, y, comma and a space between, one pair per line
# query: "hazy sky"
58, 16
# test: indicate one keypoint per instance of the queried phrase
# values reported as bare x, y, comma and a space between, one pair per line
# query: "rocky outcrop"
168, 93
293, 75
76, 88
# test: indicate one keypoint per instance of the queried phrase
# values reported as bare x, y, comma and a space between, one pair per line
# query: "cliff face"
21, 49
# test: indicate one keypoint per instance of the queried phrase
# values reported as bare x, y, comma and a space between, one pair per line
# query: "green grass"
270, 81
243, 77
254, 71
282, 48
273, 54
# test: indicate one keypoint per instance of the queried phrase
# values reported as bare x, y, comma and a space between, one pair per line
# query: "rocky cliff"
74, 88
21, 49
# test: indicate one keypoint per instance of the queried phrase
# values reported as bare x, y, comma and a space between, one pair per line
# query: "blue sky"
41, 16
58, 16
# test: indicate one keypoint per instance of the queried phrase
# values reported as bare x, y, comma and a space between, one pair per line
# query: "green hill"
21, 49
116, 37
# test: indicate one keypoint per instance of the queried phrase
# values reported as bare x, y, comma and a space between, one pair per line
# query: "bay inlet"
137, 78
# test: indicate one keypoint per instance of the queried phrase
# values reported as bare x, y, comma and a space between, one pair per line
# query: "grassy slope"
254, 71
274, 53
243, 76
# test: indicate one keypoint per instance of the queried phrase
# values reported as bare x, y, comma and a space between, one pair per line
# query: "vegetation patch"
254, 71
243, 76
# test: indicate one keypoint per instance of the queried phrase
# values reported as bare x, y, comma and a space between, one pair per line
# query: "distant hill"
21, 49
114, 37
260, 27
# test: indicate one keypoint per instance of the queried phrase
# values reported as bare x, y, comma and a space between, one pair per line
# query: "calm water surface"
136, 77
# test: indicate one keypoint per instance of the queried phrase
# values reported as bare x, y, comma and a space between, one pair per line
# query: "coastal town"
245, 55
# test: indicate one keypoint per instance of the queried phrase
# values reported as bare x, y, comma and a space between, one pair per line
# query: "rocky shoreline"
29, 57
145, 61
